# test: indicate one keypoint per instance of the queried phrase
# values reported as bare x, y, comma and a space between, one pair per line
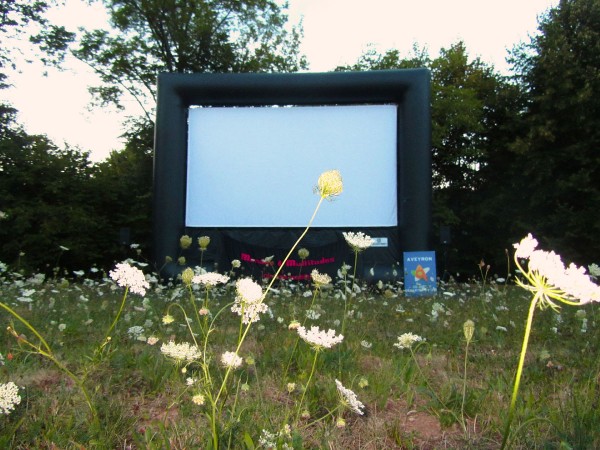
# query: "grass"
143, 400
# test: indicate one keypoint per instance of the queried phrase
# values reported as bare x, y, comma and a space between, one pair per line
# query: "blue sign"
419, 274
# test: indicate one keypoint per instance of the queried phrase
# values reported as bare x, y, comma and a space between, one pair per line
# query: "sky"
336, 32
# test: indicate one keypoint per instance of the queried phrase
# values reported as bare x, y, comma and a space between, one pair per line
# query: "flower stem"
112, 326
513, 400
312, 371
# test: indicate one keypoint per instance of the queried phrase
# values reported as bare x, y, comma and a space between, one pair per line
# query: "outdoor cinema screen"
249, 166
236, 158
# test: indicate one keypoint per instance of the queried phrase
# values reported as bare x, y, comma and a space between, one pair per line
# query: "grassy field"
284, 393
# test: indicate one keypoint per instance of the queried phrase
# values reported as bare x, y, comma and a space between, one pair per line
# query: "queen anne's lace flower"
320, 279
130, 277
231, 359
407, 340
9, 397
319, 338
358, 241
248, 302
330, 184
210, 279
349, 398
181, 352
548, 277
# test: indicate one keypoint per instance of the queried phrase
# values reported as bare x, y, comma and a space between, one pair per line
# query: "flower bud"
469, 330
185, 241
203, 242
186, 276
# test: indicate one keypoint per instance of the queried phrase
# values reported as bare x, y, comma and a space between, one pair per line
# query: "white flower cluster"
210, 279
319, 339
407, 340
320, 279
349, 398
231, 359
572, 281
248, 302
9, 397
181, 352
358, 241
131, 277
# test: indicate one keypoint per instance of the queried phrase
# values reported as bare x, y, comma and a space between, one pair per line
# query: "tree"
47, 202
15, 18
184, 36
559, 155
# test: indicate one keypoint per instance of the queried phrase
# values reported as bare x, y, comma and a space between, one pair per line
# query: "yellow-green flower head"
330, 184
469, 330
185, 241
303, 253
203, 242
181, 260
187, 276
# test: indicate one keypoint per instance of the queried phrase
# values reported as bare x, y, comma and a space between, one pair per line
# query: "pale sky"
336, 32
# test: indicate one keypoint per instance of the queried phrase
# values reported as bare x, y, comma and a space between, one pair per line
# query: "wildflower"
358, 241
303, 253
181, 260
198, 399
236, 264
231, 359
330, 184
203, 242
210, 279
349, 398
130, 277
294, 324
320, 279
62, 327
548, 278
319, 339
340, 422
248, 302
305, 414
187, 276
203, 312
181, 352
363, 382
407, 340
250, 361
366, 344
167, 319
594, 270
135, 331
9, 397
469, 330
291, 387
152, 340
185, 241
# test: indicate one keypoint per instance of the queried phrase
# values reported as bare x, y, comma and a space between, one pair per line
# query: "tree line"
511, 154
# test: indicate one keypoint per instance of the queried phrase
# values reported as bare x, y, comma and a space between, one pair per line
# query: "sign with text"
419, 274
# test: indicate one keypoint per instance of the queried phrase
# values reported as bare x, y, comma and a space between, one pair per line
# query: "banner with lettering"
419, 274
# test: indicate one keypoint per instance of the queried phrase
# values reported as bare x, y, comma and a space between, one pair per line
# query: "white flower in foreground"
349, 398
130, 277
358, 241
319, 339
181, 352
231, 359
210, 279
407, 340
548, 278
9, 397
248, 302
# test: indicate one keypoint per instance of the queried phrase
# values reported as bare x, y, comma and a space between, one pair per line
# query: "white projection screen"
257, 166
